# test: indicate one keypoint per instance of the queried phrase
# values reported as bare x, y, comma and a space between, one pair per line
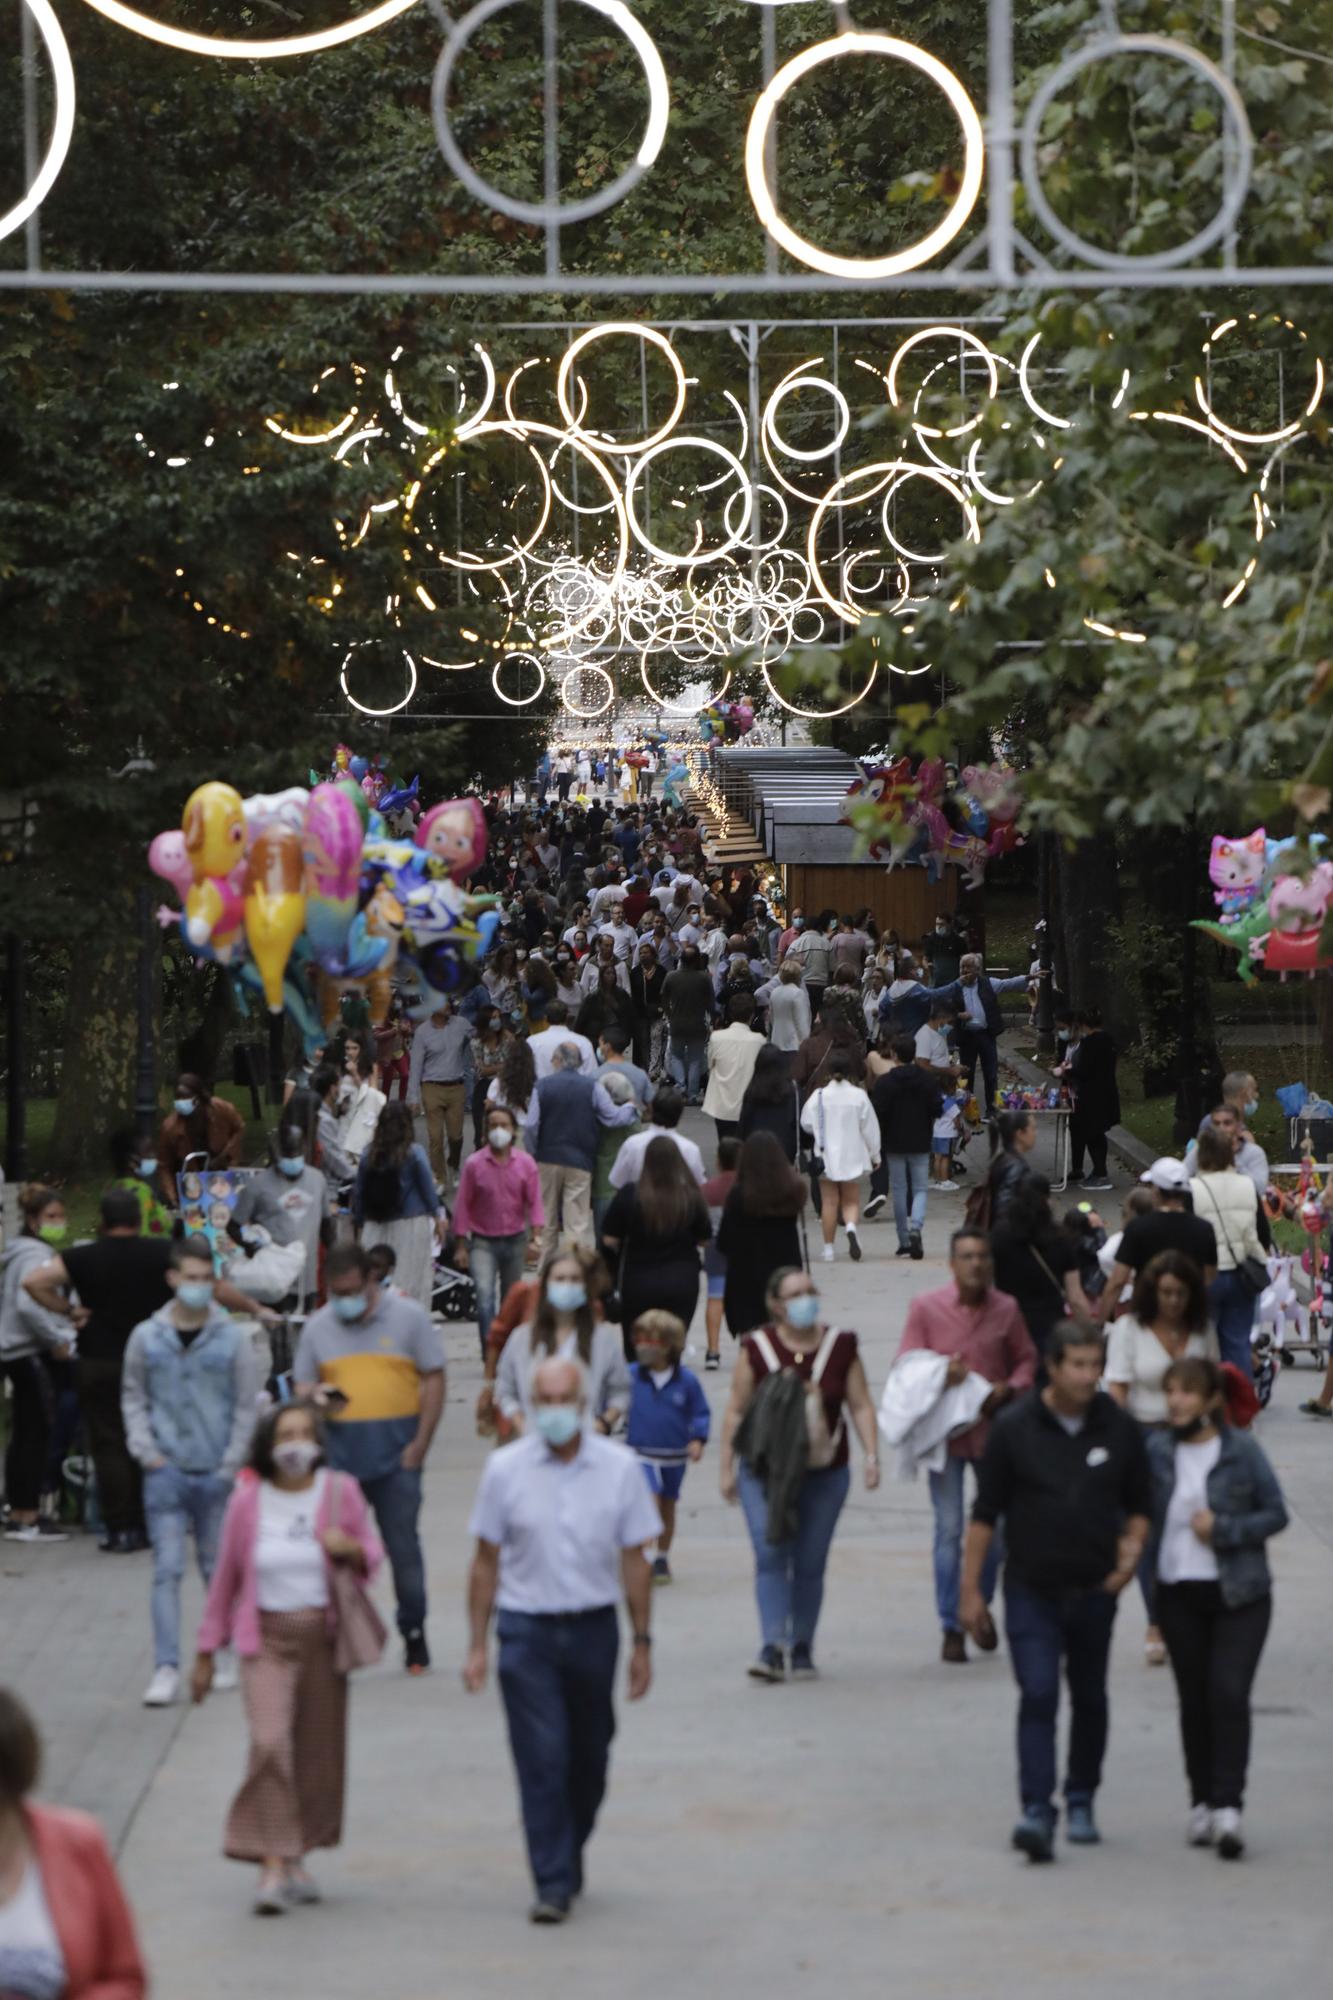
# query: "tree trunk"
97, 1069
1093, 961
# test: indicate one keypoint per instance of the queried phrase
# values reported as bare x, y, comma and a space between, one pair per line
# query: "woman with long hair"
607, 1006
844, 1133
788, 1006
500, 977
1013, 1137
1167, 1321
1216, 1503
1230, 1201
760, 1228
488, 1051
516, 1080
1036, 1262
770, 1102
199, 1123
566, 1322
359, 1098
30, 1337
646, 980
652, 1233
394, 1201
289, 1525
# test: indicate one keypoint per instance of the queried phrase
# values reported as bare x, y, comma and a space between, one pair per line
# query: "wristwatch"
643, 1638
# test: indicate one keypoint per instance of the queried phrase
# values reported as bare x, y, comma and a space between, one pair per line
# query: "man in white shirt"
932, 1049
624, 939
562, 1522
732, 1053
667, 1108
545, 1044
610, 894
713, 944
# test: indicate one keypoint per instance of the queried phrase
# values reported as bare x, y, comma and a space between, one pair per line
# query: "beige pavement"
846, 1837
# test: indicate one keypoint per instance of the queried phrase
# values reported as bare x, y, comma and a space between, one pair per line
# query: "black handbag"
1252, 1271
613, 1305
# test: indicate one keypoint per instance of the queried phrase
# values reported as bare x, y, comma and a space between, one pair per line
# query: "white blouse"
1182, 1557
289, 1558
1137, 1360
31, 1961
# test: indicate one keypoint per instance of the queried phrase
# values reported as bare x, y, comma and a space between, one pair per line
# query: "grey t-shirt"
290, 1210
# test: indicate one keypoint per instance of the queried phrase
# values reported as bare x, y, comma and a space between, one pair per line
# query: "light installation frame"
996, 256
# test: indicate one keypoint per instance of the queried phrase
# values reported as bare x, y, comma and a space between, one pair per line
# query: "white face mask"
296, 1457
500, 1137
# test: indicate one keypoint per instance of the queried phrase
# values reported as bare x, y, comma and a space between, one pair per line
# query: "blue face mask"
557, 1422
351, 1307
146, 1169
1251, 1107
567, 1295
185, 1105
803, 1310
195, 1294
292, 1165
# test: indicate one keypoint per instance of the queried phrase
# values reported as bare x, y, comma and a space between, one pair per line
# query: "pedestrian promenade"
847, 1837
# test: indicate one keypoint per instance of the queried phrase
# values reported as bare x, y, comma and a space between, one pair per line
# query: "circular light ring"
677, 707
513, 701
256, 51
552, 214
637, 470
656, 339
1290, 430
744, 448
975, 480
856, 42
62, 128
965, 338
563, 497
955, 492
818, 714
895, 472
1212, 437
461, 559
789, 384
360, 705
758, 548
484, 406
586, 714
1099, 50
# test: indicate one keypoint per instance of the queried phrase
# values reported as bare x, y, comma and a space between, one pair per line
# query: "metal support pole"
1045, 1022
770, 64
32, 138
16, 1097
145, 1068
1000, 142
551, 125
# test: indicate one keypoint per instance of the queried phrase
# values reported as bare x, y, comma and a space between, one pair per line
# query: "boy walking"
669, 1419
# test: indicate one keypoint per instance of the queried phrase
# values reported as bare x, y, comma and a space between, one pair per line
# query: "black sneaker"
853, 1243
549, 1910
661, 1570
915, 1248
903, 1250
416, 1653
769, 1665
803, 1666
873, 1206
712, 1362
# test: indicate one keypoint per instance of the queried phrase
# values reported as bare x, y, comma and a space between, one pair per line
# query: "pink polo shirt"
991, 1337
498, 1196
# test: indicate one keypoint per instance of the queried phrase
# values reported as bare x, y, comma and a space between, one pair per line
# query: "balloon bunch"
726, 721
399, 803
907, 815
305, 896
1270, 913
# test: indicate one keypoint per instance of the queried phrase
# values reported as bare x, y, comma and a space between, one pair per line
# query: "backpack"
821, 1442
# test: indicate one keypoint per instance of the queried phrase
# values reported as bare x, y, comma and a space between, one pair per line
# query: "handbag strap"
767, 1351
1217, 1211
1047, 1269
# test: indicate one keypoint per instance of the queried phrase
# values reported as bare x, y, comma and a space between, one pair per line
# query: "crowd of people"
1099, 1387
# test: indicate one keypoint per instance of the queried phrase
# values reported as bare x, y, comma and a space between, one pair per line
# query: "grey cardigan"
1246, 1502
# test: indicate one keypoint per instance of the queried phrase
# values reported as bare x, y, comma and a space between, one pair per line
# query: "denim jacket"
1247, 1506
193, 1407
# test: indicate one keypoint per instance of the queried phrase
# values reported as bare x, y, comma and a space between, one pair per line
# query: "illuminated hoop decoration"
463, 559
1233, 198
955, 492
758, 548
526, 429
965, 338
516, 701
1212, 437
1039, 410
62, 128
394, 707
552, 214
641, 465
255, 51
657, 340
680, 707
586, 714
856, 42
1290, 430
818, 714
788, 386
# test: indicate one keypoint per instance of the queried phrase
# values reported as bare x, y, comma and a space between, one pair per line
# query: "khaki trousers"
567, 1201
444, 1105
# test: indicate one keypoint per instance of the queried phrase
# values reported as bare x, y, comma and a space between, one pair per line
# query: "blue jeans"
176, 1503
789, 1576
946, 1497
496, 1263
1041, 1626
1233, 1313
909, 1177
396, 1499
686, 1063
557, 1677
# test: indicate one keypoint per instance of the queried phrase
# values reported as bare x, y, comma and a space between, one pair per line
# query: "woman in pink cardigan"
273, 1599
66, 1932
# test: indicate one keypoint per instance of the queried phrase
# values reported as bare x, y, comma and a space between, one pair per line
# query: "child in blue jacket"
668, 1419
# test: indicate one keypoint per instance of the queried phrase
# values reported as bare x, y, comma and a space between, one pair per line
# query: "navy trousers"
557, 1677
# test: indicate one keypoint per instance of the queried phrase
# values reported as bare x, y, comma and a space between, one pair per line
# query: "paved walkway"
847, 1837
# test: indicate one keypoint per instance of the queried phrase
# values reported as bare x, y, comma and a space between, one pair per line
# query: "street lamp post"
1045, 1022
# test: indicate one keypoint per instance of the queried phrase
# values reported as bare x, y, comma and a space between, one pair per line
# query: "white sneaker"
162, 1690
225, 1673
1226, 1826
944, 1187
828, 1253
34, 1531
1200, 1830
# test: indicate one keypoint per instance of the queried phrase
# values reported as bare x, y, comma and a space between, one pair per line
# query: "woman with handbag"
843, 1127
1229, 1200
653, 1232
288, 1593
1036, 1262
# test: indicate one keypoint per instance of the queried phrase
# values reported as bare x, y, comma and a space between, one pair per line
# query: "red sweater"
87, 1905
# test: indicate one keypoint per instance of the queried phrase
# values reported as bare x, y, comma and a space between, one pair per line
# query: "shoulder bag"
821, 1442
361, 1636
1252, 1271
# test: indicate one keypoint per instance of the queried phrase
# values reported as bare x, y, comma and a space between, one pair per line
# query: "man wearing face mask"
499, 1205
376, 1362
188, 1401
290, 1200
563, 1520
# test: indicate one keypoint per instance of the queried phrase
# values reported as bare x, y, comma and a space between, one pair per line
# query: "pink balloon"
332, 845
167, 857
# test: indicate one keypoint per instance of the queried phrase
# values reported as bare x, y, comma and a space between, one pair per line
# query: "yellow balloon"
274, 906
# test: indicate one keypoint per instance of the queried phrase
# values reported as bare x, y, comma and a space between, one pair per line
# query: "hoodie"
25, 1327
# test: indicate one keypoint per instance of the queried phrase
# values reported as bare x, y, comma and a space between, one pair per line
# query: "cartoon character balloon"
1236, 869
214, 829
274, 906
